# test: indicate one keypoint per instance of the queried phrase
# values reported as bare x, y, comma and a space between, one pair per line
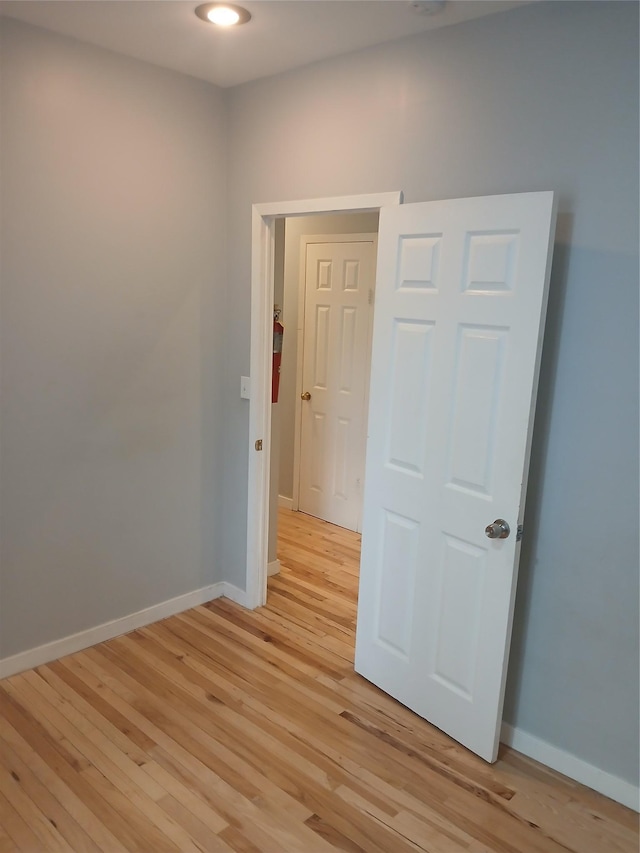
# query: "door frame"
305, 241
263, 217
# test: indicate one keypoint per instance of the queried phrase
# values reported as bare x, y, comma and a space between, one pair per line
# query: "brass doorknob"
305, 395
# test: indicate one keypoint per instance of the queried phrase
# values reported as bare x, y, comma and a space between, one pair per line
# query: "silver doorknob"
498, 530
305, 396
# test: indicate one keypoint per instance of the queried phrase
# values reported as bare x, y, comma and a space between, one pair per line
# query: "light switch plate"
245, 387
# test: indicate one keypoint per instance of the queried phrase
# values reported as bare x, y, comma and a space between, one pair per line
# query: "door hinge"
259, 444
519, 532
370, 296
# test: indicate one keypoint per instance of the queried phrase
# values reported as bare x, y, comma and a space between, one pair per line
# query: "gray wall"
541, 97
112, 289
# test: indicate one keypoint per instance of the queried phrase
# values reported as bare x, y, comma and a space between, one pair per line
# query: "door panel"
409, 416
476, 394
336, 353
460, 306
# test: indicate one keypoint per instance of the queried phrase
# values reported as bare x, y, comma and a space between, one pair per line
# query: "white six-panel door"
460, 304
339, 279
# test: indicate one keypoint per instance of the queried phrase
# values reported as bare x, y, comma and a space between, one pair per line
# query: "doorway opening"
265, 218
324, 284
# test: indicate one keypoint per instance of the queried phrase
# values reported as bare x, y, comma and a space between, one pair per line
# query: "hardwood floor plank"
119, 728
299, 650
16, 828
102, 754
102, 742
21, 717
56, 813
238, 842
76, 807
6, 844
218, 757
47, 747
265, 715
45, 828
220, 729
270, 827
200, 831
331, 834
116, 782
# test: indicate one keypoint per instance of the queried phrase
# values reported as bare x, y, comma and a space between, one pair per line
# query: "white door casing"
339, 278
460, 305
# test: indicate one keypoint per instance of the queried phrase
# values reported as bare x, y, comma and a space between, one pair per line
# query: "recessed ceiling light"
223, 14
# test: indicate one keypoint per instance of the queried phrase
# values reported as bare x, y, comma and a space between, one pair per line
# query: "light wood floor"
221, 729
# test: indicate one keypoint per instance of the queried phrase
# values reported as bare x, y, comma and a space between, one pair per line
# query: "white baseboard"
234, 593
569, 765
285, 503
108, 630
273, 568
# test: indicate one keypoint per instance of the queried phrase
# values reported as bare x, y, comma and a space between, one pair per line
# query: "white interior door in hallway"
336, 351
460, 307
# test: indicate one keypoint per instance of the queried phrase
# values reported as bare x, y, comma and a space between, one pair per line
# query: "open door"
460, 305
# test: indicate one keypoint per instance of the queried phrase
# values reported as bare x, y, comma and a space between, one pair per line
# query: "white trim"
336, 204
233, 593
262, 249
570, 765
285, 503
108, 630
273, 568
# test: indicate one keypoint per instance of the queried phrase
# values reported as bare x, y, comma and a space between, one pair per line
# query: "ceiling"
283, 34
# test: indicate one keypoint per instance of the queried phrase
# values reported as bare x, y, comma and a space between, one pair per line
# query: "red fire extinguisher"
278, 332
